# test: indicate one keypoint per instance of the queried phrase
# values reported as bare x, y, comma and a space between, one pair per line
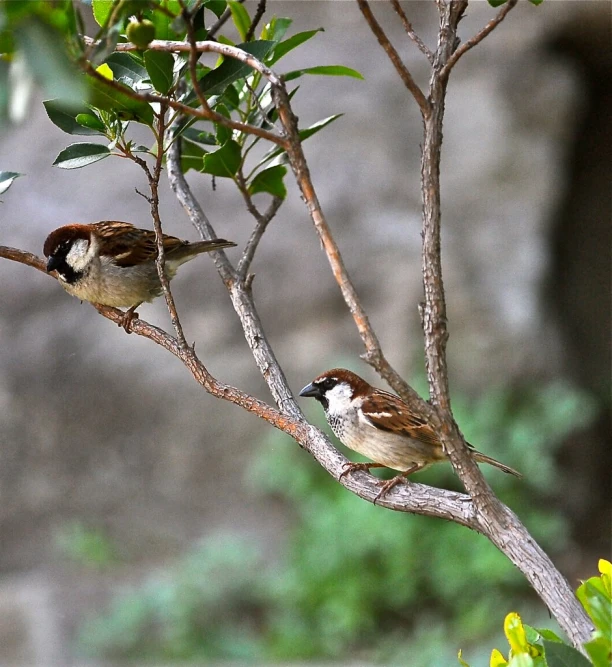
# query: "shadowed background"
113, 463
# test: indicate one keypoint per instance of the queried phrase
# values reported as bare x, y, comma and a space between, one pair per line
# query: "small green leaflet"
293, 42
241, 18
160, 65
324, 70
65, 117
304, 134
270, 180
224, 162
80, 155
230, 70
562, 655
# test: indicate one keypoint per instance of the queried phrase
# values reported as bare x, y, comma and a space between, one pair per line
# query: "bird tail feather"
483, 458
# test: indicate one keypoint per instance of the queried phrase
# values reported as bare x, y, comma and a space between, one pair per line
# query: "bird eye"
328, 383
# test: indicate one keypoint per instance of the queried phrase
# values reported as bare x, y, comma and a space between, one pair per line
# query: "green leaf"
102, 10
64, 116
163, 22
599, 651
7, 178
241, 18
224, 162
102, 96
276, 28
90, 122
196, 136
562, 655
230, 70
536, 2
160, 66
223, 134
545, 633
217, 7
192, 156
48, 61
594, 598
324, 70
304, 134
80, 155
270, 180
497, 3
126, 68
289, 44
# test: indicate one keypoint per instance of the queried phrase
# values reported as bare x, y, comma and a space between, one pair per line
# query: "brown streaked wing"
389, 413
131, 245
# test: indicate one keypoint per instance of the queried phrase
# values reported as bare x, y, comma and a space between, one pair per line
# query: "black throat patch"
64, 270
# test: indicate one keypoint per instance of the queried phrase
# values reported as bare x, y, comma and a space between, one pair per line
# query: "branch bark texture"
502, 527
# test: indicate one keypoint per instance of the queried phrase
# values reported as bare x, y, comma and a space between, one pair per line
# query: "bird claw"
127, 318
353, 467
388, 485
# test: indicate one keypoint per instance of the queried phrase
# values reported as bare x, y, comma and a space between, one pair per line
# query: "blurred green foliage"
86, 546
351, 578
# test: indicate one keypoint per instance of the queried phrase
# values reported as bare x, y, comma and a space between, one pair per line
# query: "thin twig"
220, 22
394, 57
410, 32
259, 12
193, 60
478, 37
261, 224
373, 354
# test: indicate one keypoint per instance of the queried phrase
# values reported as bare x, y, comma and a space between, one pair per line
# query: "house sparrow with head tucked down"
113, 263
381, 426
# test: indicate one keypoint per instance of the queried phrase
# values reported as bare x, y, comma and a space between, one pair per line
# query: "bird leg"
352, 467
128, 316
394, 481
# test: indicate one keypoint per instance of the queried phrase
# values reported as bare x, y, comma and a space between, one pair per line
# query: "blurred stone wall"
108, 429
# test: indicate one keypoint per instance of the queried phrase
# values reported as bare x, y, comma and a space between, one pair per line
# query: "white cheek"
80, 255
339, 398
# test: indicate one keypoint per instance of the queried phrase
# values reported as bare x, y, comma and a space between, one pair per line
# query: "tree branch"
373, 354
394, 57
410, 32
471, 43
261, 224
412, 497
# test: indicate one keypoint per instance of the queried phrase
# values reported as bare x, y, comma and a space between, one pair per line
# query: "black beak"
52, 263
311, 391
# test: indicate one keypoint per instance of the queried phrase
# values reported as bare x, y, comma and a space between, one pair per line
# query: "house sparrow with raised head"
113, 263
381, 426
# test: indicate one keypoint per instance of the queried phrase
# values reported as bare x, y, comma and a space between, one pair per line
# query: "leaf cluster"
115, 89
536, 647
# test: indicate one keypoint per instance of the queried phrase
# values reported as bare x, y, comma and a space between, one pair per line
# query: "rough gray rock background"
109, 429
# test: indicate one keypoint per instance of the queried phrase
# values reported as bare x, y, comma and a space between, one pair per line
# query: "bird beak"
311, 391
52, 264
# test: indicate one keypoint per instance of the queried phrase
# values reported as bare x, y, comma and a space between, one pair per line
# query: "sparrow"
112, 263
381, 426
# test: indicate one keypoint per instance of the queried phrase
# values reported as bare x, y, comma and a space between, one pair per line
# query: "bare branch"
261, 224
412, 497
259, 12
394, 57
410, 32
478, 37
